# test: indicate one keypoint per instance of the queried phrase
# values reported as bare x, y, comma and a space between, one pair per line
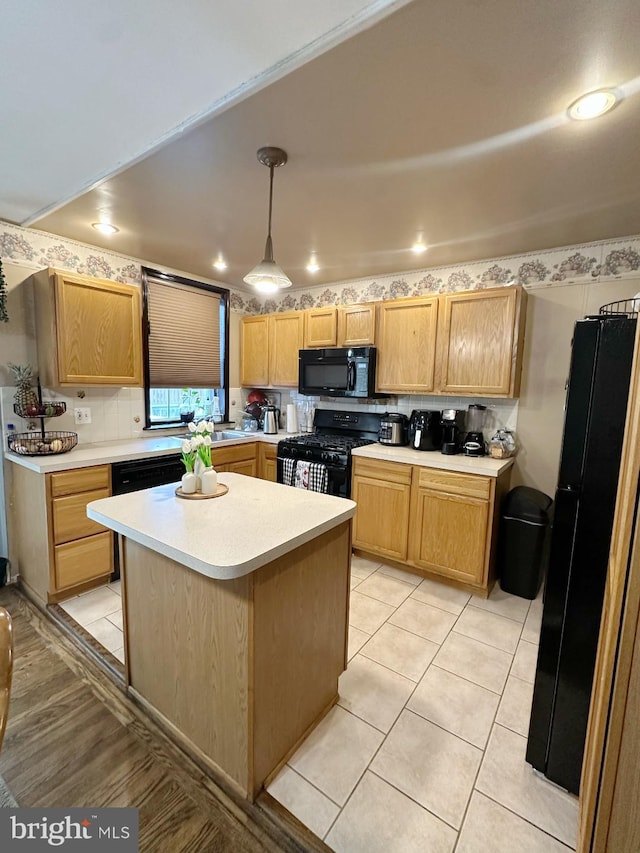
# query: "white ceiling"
442, 118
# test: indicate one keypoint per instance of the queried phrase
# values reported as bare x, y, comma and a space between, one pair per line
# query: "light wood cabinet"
89, 330
286, 339
449, 529
267, 462
406, 337
357, 325
269, 349
480, 342
382, 491
254, 351
436, 522
59, 551
321, 327
239, 458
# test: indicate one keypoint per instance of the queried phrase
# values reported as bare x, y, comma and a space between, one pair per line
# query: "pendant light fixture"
267, 277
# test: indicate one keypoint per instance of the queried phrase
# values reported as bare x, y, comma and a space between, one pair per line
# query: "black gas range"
336, 434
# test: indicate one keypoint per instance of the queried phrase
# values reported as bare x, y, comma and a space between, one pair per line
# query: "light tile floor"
425, 749
100, 613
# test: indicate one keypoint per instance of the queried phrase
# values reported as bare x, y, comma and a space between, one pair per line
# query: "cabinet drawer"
83, 560
455, 484
80, 480
235, 453
70, 516
392, 472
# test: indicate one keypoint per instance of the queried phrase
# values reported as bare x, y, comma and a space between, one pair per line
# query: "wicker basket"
42, 443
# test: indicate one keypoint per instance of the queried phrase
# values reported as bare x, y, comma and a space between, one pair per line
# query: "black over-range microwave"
341, 372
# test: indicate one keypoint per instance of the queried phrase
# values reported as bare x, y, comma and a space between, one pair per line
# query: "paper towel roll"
292, 418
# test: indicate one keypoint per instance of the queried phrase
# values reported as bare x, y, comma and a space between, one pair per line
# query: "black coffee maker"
452, 423
425, 432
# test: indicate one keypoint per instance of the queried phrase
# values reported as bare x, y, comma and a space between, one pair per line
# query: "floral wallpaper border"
598, 261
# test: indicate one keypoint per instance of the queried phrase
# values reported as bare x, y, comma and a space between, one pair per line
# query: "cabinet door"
286, 339
448, 534
406, 339
382, 492
83, 560
98, 331
69, 514
254, 351
247, 467
480, 342
357, 325
321, 327
268, 464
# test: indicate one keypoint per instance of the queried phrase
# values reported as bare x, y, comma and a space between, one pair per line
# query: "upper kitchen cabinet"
321, 327
254, 351
406, 340
89, 331
286, 339
269, 349
480, 342
357, 325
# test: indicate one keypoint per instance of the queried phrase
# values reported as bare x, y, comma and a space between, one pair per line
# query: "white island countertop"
122, 450
254, 523
483, 465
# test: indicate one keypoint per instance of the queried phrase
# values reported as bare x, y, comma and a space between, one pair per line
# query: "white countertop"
101, 453
484, 465
226, 537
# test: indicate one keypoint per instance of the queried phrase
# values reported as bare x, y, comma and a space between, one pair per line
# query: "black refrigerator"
596, 404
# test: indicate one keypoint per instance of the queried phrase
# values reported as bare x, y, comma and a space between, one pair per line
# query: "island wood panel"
188, 654
300, 606
70, 520
357, 325
479, 342
406, 337
28, 531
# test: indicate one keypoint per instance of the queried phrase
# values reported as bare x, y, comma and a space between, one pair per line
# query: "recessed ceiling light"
220, 264
593, 104
312, 266
418, 247
105, 227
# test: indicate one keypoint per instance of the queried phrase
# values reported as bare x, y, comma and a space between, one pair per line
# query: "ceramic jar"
208, 481
189, 483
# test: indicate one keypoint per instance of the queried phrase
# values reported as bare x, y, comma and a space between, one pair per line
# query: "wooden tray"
198, 496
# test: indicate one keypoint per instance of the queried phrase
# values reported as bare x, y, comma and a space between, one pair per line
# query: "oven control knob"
308, 453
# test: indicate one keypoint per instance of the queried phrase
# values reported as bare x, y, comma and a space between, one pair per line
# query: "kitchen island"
235, 616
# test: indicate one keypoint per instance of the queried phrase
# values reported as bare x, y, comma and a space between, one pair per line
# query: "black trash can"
523, 545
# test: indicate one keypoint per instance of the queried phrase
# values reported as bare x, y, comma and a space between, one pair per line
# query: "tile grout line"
525, 819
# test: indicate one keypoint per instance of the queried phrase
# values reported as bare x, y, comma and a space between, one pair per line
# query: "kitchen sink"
219, 435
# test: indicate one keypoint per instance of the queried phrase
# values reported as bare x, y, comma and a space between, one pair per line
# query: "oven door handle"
351, 375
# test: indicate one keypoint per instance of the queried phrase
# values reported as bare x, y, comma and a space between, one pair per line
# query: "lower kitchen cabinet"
267, 464
382, 491
60, 551
238, 459
442, 522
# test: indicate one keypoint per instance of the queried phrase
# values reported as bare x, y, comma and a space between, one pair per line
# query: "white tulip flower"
207, 441
186, 446
202, 426
191, 426
197, 440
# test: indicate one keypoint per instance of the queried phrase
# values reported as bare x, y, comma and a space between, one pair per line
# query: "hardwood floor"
74, 739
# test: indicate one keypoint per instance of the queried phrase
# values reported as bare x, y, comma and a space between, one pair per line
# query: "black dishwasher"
139, 474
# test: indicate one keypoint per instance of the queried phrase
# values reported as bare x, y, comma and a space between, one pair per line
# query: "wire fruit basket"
43, 409
622, 308
42, 443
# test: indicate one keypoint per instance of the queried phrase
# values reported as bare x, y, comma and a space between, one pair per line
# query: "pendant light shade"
267, 277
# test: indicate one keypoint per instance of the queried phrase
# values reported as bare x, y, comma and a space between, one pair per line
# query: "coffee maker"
474, 440
452, 424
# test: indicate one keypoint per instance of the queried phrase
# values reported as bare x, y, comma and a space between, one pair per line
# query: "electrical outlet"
82, 415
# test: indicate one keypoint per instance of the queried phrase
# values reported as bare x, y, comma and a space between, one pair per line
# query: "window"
186, 349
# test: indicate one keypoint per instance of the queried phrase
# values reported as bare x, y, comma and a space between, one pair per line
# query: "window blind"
184, 336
